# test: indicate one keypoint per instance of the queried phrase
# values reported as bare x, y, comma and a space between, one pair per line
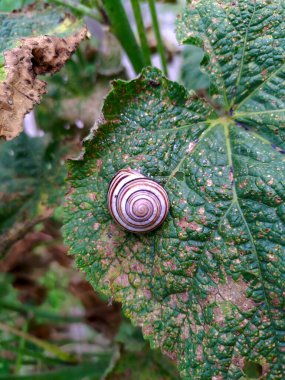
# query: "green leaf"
143, 365
31, 179
137, 361
208, 286
244, 45
31, 43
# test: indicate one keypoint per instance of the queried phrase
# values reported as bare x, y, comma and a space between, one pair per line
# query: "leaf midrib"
255, 251
200, 138
224, 89
260, 86
249, 113
226, 123
212, 124
217, 62
243, 55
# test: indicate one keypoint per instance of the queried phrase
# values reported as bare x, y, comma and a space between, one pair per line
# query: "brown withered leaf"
35, 43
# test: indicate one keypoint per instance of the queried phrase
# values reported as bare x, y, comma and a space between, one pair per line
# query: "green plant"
208, 286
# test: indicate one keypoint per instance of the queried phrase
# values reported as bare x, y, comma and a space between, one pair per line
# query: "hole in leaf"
252, 370
179, 176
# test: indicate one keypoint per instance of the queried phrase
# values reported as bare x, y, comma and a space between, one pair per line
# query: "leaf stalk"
141, 31
160, 46
121, 28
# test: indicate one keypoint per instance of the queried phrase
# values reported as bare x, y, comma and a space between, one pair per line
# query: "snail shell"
138, 204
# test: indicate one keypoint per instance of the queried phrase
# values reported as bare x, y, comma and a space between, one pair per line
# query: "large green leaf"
208, 286
31, 43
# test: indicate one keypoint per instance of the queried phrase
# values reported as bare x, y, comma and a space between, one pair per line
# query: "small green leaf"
143, 365
137, 361
208, 286
31, 43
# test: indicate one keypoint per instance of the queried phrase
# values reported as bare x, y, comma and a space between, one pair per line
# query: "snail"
137, 203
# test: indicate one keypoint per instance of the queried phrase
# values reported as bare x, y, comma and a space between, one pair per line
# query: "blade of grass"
29, 354
48, 347
21, 347
121, 28
89, 370
41, 314
141, 31
160, 46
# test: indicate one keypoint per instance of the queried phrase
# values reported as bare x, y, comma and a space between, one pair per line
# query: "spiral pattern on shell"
138, 204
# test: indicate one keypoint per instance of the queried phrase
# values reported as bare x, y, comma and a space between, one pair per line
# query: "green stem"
48, 347
160, 46
121, 28
20, 351
79, 8
141, 31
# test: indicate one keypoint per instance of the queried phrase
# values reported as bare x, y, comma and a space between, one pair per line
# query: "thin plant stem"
141, 31
121, 28
160, 46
